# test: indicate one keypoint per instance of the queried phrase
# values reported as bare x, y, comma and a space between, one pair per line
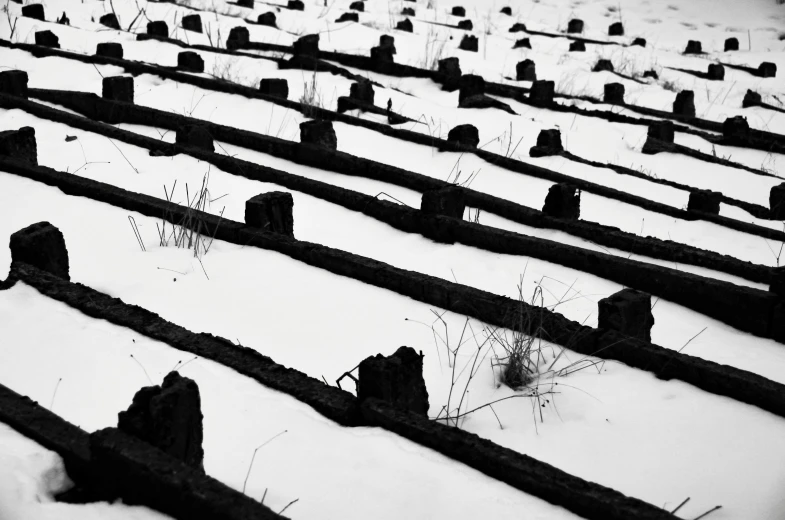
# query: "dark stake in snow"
195, 136
684, 104
13, 83
118, 88
41, 245
548, 143
190, 61
277, 87
192, 22
704, 201
627, 311
168, 417
110, 50
320, 133
466, 135
272, 211
563, 201
396, 379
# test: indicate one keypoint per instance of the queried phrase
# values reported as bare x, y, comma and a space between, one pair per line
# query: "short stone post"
272, 212
448, 202
41, 245
614, 94
627, 311
14, 83
563, 201
395, 379
466, 135
195, 136
548, 143
277, 87
525, 71
704, 201
109, 50
118, 88
320, 133
684, 104
20, 145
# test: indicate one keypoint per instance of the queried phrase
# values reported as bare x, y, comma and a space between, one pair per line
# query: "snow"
655, 440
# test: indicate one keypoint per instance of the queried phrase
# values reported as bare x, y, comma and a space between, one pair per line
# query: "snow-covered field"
659, 441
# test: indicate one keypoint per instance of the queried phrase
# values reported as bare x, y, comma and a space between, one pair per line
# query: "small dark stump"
518, 27
396, 379
34, 11
248, 4
450, 72
506, 10
348, 17
387, 42
616, 29
63, 20
523, 43
767, 70
640, 42
408, 11
118, 88
195, 136
548, 143
716, 72
192, 22
627, 311
357, 6
19, 144
693, 47
405, 25
542, 92
307, 45
777, 285
319, 133
41, 245
575, 26
275, 87
458, 11
777, 201
238, 38
705, 201
731, 44
13, 83
736, 128
469, 43
381, 55
109, 20
296, 5
168, 417
158, 28
614, 94
651, 74
109, 50
47, 39
563, 201
267, 19
659, 137
466, 25
603, 65
525, 71
362, 91
466, 135
190, 61
577, 47
684, 105
272, 211
751, 99
470, 85
448, 202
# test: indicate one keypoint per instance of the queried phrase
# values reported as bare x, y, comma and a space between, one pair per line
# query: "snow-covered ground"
621, 427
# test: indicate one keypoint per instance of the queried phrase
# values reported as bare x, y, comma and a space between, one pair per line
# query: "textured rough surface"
168, 417
627, 311
139, 474
272, 211
41, 245
396, 379
563, 201
19, 144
